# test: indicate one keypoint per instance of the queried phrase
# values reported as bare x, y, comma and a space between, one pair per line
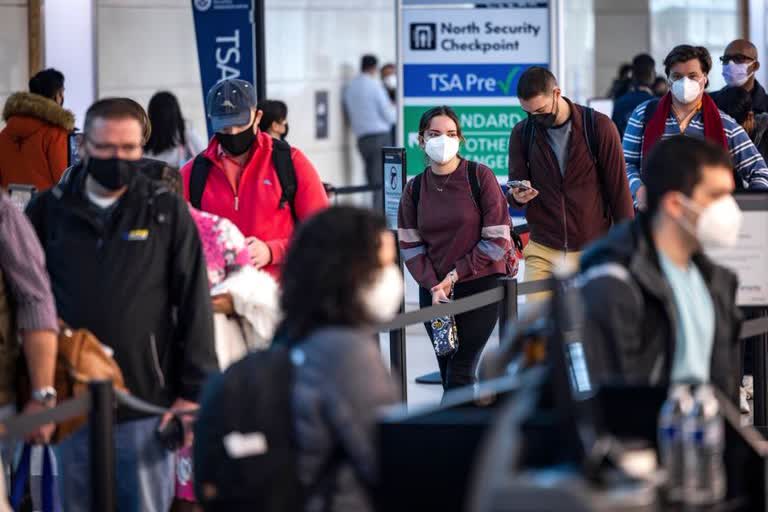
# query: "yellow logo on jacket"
136, 235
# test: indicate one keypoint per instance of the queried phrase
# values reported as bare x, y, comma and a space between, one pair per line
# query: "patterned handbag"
445, 335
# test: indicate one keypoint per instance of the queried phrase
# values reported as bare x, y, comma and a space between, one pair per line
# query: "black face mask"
239, 143
547, 121
112, 173
285, 134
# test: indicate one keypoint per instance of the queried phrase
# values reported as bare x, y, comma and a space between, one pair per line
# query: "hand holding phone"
521, 191
517, 184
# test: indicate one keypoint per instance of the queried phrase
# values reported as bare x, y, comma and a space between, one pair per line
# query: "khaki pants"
540, 263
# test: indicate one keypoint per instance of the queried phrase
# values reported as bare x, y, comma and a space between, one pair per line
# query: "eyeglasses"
738, 58
114, 148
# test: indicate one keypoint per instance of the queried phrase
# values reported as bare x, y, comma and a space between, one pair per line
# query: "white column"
69, 27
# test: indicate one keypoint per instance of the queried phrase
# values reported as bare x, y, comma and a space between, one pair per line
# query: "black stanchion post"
260, 53
102, 446
508, 304
760, 377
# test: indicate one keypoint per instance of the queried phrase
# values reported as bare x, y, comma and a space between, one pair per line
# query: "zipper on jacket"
156, 359
237, 203
565, 222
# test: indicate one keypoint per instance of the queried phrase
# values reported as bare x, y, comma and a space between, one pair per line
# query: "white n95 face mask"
382, 298
686, 90
442, 149
719, 223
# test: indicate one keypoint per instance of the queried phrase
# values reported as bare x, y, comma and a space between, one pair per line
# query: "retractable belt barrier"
357, 189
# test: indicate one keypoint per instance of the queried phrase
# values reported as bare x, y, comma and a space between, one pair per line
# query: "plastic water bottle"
704, 436
671, 420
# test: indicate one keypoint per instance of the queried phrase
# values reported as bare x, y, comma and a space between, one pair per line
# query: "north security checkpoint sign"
471, 52
486, 130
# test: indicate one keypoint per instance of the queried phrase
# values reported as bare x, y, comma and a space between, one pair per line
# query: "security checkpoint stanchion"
760, 377
508, 305
102, 446
393, 184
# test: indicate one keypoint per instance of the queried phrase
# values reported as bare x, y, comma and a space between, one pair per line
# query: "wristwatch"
45, 396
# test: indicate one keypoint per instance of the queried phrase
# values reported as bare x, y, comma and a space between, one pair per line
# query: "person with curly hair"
340, 280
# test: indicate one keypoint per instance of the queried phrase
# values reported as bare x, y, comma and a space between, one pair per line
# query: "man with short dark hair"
688, 110
658, 310
569, 162
126, 263
739, 67
48, 83
34, 144
371, 115
643, 76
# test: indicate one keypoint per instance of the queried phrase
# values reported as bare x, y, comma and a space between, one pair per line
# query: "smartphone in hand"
517, 184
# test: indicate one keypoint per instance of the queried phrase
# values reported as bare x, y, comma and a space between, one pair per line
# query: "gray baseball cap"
229, 103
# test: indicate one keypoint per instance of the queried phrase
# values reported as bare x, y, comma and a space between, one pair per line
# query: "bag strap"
474, 183
588, 119
650, 109
286, 174
201, 168
20, 478
417, 190
529, 136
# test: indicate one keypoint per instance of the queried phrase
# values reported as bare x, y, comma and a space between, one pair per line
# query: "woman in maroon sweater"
448, 241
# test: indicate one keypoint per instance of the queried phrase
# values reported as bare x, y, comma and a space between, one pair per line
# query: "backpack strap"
417, 190
474, 183
201, 168
286, 174
650, 109
529, 136
588, 119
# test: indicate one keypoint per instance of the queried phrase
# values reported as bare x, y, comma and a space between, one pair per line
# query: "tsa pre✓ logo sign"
475, 36
469, 80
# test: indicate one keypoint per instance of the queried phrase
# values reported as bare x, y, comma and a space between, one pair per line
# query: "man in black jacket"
126, 262
657, 309
740, 64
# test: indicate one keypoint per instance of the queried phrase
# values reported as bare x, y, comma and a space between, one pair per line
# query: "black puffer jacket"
630, 309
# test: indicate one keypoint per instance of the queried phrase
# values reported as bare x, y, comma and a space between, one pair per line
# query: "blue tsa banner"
224, 31
469, 80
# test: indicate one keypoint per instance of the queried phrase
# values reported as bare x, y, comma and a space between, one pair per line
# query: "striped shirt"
746, 158
23, 266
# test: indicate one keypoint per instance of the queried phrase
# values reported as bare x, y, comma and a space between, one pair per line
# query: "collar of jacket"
759, 96
71, 190
40, 107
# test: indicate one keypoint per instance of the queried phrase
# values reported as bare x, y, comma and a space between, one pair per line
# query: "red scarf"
713, 123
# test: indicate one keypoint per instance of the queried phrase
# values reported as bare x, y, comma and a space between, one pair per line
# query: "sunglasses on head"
738, 58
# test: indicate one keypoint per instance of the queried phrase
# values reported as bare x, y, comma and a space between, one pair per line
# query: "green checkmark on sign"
507, 84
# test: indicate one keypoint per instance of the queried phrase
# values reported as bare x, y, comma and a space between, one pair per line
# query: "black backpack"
251, 405
286, 174
252, 400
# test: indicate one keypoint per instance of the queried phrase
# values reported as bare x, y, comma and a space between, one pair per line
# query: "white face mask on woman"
718, 224
382, 298
686, 90
442, 149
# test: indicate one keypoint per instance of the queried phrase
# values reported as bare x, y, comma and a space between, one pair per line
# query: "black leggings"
474, 328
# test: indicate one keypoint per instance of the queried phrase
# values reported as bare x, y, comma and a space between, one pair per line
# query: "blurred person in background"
389, 79
737, 103
172, 139
275, 119
643, 76
660, 87
34, 144
371, 114
740, 64
622, 82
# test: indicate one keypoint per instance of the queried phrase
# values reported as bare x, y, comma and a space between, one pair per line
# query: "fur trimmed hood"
39, 107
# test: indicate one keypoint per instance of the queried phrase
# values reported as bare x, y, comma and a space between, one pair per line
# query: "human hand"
523, 196
641, 198
439, 296
223, 303
259, 252
181, 405
43, 434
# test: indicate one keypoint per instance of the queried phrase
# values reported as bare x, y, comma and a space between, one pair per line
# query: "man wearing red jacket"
236, 177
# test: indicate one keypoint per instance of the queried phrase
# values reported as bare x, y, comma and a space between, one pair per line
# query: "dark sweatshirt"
451, 231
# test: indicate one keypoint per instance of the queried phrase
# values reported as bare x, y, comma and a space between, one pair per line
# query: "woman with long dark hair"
172, 140
339, 281
455, 238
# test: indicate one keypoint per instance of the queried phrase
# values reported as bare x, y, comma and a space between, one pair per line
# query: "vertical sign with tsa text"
393, 182
224, 30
